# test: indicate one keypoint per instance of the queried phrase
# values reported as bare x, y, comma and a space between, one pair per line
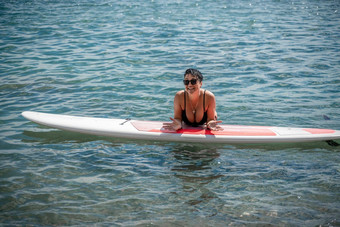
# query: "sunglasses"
192, 81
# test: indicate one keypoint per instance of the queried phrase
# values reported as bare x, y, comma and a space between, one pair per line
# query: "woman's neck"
194, 97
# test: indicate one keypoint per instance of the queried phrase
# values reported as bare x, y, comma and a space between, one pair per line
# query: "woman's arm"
211, 112
176, 123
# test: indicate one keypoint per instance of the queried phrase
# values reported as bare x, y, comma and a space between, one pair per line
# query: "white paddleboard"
152, 130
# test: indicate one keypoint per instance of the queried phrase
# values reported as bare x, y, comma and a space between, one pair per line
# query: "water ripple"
267, 62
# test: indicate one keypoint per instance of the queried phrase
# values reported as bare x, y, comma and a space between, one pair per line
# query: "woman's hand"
212, 125
173, 126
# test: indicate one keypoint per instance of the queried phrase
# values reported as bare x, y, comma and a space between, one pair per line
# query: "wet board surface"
152, 130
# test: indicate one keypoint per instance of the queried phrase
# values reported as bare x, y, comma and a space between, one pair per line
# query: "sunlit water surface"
267, 62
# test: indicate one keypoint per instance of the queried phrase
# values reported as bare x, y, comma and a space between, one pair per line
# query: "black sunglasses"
192, 81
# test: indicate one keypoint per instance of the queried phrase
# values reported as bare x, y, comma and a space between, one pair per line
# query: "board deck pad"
319, 131
228, 130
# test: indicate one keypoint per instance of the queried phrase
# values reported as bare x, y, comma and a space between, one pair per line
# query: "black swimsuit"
194, 124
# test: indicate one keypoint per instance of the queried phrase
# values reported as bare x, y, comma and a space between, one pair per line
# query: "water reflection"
197, 169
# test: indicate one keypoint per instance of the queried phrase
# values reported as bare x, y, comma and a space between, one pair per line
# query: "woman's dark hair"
194, 72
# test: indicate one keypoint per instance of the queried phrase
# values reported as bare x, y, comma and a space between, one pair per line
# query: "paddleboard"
152, 130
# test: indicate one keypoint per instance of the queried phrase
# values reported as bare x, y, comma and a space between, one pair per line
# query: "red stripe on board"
225, 132
319, 131
152, 126
147, 125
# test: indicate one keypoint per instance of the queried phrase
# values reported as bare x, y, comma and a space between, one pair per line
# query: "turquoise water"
267, 62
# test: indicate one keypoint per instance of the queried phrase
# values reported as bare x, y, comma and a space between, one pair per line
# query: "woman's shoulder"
180, 93
179, 96
209, 94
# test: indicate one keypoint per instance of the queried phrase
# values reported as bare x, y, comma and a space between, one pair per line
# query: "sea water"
268, 62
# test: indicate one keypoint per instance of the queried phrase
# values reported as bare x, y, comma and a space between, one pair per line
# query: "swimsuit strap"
185, 105
204, 101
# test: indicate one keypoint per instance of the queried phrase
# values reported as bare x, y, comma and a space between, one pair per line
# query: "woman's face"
192, 88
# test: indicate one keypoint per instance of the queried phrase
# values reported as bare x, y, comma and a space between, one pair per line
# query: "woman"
194, 106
